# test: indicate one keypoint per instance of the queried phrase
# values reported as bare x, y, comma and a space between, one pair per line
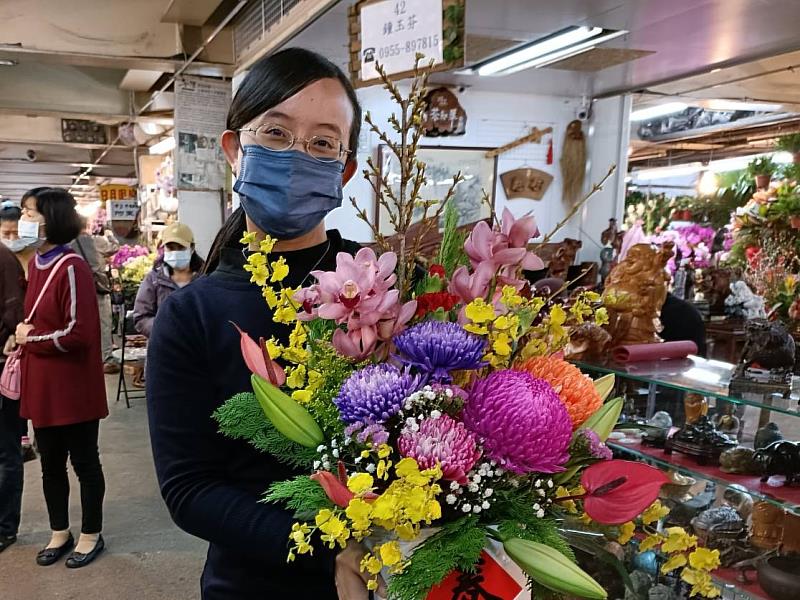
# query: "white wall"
495, 119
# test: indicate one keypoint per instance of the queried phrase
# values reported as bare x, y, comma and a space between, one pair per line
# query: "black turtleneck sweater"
211, 484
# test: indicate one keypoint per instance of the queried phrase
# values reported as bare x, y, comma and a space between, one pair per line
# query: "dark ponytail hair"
272, 80
227, 237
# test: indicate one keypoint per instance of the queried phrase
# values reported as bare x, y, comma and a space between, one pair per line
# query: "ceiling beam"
79, 59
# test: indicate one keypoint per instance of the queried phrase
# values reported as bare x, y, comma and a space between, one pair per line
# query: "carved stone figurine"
727, 422
587, 342
769, 346
736, 495
699, 439
606, 258
739, 460
609, 234
716, 287
780, 458
766, 435
564, 257
743, 303
634, 294
695, 406
767, 525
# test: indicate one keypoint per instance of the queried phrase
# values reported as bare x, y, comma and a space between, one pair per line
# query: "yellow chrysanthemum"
675, 561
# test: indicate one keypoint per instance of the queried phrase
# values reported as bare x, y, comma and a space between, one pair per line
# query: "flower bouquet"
430, 416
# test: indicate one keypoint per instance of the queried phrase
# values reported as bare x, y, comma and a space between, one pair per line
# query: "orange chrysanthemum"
575, 389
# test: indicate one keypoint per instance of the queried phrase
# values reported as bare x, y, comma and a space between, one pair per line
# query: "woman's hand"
351, 582
11, 344
23, 329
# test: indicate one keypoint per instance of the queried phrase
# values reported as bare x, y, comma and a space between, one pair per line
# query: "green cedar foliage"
457, 545
242, 418
301, 494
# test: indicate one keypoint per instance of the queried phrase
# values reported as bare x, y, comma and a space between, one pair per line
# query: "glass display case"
698, 386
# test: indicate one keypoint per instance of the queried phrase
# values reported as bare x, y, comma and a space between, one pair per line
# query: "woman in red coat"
62, 385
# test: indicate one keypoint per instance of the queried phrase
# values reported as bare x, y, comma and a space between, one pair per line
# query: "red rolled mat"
643, 352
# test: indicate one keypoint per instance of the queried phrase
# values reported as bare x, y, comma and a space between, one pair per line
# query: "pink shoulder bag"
10, 378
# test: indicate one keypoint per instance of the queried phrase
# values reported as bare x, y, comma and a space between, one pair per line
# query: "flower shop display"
430, 417
126, 253
133, 263
761, 170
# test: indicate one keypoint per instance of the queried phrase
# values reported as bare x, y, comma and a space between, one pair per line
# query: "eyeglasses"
279, 139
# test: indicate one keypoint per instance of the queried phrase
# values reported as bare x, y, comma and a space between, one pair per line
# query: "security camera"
584, 111
31, 155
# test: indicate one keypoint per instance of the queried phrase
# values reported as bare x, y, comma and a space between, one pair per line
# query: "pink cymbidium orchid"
359, 295
496, 253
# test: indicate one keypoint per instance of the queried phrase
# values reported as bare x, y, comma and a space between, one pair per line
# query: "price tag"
394, 31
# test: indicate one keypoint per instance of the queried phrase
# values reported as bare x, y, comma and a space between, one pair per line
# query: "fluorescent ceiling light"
558, 41
164, 146
659, 110
574, 50
741, 162
666, 172
721, 104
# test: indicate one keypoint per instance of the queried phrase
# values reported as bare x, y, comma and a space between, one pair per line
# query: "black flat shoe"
76, 560
6, 541
48, 556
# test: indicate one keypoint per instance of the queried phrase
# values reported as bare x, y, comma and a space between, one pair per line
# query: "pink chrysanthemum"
442, 441
521, 421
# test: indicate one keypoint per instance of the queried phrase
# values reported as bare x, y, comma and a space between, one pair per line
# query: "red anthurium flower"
257, 360
618, 491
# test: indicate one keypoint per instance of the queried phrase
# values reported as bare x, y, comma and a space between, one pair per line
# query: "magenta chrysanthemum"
521, 422
442, 441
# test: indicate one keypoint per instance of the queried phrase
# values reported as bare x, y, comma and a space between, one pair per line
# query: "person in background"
682, 321
86, 247
23, 248
62, 388
179, 266
12, 428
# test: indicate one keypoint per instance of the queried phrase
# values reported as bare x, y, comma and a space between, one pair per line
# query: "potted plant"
787, 204
762, 169
790, 143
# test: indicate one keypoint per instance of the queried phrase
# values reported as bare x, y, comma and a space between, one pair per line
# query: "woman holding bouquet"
291, 139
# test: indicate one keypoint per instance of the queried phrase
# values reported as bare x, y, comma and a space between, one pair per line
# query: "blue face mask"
287, 194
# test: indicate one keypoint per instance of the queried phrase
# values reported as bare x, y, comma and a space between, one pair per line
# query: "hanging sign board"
116, 192
525, 183
124, 210
201, 107
393, 32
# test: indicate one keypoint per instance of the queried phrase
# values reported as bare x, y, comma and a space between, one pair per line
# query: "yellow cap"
177, 233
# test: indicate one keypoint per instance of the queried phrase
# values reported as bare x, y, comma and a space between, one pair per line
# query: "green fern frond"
301, 494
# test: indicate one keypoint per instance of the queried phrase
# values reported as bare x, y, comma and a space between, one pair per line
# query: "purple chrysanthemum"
441, 441
374, 394
367, 432
437, 348
597, 449
521, 421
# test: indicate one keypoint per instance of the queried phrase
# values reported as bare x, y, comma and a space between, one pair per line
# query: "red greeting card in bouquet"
490, 582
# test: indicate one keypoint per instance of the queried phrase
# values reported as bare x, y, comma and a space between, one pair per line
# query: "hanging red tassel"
550, 151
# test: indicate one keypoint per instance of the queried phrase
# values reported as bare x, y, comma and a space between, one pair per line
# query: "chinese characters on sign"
394, 31
201, 106
490, 582
526, 183
443, 115
116, 192
124, 210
